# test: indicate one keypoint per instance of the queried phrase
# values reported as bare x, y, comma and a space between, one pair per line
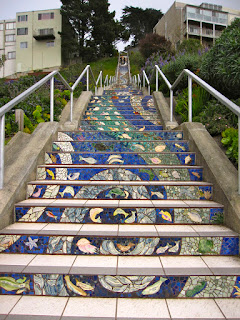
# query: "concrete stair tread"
124, 230
121, 265
118, 203
65, 308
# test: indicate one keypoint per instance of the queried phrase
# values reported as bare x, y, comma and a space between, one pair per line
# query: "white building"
8, 47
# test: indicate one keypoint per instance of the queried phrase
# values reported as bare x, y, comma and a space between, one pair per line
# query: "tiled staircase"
119, 225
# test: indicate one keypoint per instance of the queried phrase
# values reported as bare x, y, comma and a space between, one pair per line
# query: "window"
1, 26
46, 16
23, 45
22, 31
10, 38
10, 25
12, 55
44, 32
22, 18
50, 44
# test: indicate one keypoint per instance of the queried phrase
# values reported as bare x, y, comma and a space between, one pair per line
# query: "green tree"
221, 65
103, 28
94, 26
138, 22
78, 14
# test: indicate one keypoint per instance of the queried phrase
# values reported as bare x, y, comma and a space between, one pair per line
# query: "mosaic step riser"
121, 286
121, 146
121, 158
103, 127
127, 192
122, 122
123, 173
126, 117
120, 135
112, 111
138, 215
118, 246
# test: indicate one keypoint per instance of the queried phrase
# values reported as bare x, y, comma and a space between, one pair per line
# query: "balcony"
44, 34
196, 14
206, 32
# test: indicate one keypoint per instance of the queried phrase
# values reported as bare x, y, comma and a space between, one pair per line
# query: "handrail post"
189, 98
156, 79
149, 90
143, 81
238, 154
101, 79
52, 99
171, 105
88, 78
2, 143
71, 107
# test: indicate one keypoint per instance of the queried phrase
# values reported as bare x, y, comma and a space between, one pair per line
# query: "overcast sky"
10, 7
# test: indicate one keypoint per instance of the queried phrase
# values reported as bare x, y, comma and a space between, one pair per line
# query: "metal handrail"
145, 79
129, 68
139, 81
100, 78
216, 94
106, 81
11, 104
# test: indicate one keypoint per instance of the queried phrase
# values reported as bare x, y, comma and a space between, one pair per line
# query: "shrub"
172, 66
199, 100
217, 118
230, 140
152, 43
190, 46
221, 65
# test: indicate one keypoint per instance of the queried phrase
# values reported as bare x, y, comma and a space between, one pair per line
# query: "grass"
107, 65
136, 62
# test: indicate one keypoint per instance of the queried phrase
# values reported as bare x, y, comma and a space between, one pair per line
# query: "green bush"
217, 118
230, 140
221, 65
175, 67
199, 100
190, 46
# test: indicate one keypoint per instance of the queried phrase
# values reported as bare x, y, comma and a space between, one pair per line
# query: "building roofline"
37, 10
192, 5
7, 20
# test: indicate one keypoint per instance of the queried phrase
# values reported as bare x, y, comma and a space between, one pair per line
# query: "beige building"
8, 47
38, 42
204, 22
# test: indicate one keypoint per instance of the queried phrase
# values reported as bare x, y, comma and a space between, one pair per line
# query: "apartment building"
8, 47
204, 22
31, 42
38, 42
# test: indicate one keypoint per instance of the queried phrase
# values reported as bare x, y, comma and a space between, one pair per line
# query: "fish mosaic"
109, 216
120, 286
131, 246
